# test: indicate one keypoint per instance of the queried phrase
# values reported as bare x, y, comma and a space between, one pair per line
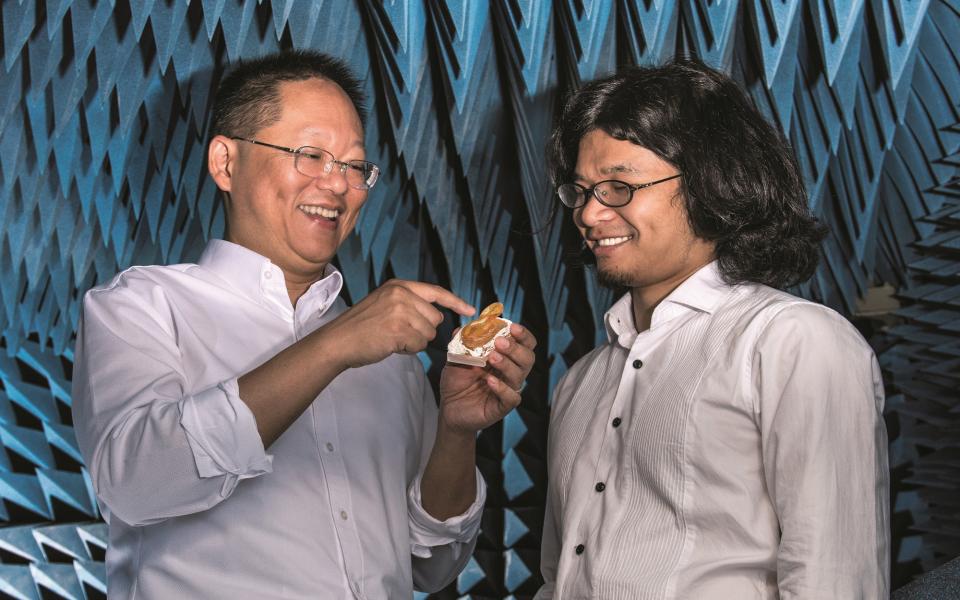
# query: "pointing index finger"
438, 295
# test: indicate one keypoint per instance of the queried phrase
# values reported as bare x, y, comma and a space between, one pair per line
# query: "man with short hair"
249, 435
727, 441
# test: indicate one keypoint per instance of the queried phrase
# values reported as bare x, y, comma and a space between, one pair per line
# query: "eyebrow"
610, 170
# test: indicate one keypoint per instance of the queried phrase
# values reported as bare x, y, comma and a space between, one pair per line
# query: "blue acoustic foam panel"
104, 110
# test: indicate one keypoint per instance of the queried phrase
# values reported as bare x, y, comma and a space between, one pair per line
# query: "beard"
614, 279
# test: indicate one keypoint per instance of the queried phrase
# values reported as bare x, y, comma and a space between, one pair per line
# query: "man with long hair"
727, 441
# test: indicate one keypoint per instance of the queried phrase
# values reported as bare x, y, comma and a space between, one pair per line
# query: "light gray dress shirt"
734, 450
196, 508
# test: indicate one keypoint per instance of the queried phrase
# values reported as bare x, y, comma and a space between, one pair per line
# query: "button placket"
338, 486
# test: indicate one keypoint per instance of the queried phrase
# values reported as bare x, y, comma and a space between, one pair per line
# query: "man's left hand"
472, 398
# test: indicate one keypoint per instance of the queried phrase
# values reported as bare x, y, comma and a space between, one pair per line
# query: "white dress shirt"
196, 508
734, 450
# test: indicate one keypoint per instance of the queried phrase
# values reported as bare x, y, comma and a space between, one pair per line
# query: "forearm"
145, 468
279, 390
449, 484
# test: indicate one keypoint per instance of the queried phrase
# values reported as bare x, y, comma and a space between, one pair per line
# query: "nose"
334, 179
593, 213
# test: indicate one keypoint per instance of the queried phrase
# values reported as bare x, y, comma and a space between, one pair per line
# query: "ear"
221, 161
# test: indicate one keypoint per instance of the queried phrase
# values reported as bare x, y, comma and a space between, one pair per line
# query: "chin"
614, 279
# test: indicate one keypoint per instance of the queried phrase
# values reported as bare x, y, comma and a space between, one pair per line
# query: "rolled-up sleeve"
439, 549
820, 401
223, 436
154, 450
427, 532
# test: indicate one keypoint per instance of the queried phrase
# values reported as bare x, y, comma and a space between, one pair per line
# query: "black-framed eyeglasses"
315, 162
611, 192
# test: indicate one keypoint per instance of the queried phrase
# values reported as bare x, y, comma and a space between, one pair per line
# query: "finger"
523, 336
509, 398
428, 311
438, 295
519, 354
509, 371
421, 329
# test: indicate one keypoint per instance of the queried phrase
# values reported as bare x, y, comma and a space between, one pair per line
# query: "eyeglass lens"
314, 162
611, 193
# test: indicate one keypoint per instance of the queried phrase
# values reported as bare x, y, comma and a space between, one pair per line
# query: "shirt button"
268, 274
616, 422
579, 549
600, 486
637, 364
329, 447
343, 515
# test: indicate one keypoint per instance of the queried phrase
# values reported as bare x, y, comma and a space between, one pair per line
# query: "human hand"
472, 398
397, 317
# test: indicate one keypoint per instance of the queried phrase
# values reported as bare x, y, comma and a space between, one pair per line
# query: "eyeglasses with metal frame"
315, 162
610, 192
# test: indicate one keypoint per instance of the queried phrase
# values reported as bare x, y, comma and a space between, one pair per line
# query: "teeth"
612, 241
329, 213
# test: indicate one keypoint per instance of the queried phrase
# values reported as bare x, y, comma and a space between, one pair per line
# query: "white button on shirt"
742, 412
196, 508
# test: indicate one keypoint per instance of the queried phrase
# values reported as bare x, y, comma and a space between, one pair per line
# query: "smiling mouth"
319, 211
608, 242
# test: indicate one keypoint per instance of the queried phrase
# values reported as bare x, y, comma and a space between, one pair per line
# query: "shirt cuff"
222, 434
427, 532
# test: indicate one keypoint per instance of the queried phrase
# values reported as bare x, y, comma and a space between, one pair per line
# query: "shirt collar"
256, 276
703, 291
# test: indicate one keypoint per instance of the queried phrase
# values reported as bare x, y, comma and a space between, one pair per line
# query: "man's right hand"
397, 317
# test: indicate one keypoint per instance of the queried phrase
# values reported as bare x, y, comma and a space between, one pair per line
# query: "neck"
646, 298
298, 283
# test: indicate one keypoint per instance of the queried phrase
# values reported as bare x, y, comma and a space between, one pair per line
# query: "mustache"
579, 256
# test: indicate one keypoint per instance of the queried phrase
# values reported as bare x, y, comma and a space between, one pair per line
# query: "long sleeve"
439, 549
549, 551
154, 450
820, 402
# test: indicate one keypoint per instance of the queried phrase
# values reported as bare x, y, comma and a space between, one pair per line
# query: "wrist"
331, 347
455, 435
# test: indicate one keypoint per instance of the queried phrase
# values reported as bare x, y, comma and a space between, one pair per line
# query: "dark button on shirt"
616, 422
637, 364
600, 486
579, 549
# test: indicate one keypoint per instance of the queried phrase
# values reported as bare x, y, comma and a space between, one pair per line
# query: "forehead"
317, 105
602, 154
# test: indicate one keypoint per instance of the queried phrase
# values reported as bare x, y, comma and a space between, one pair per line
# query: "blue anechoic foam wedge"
61, 579
25, 491
70, 488
513, 430
93, 535
16, 581
63, 438
513, 528
28, 443
17, 27
62, 538
19, 540
93, 574
515, 571
515, 478
470, 576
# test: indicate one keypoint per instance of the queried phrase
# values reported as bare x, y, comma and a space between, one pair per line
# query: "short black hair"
741, 184
248, 97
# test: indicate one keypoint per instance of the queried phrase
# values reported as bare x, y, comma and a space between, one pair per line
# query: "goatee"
614, 280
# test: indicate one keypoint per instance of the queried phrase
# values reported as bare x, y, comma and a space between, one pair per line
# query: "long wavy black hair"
741, 184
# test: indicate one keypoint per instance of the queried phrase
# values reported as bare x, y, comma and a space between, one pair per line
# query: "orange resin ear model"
474, 342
